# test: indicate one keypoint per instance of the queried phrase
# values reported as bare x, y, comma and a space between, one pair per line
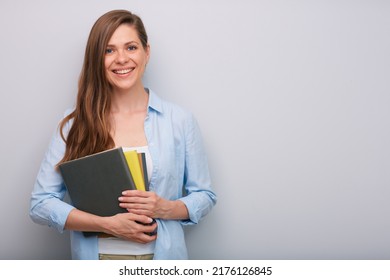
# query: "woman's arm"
125, 225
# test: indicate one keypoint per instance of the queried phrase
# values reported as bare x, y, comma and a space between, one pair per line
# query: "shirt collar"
155, 102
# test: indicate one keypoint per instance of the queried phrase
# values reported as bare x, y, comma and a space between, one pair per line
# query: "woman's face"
125, 59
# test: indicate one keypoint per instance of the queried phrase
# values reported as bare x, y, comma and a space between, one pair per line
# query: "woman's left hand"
144, 203
148, 203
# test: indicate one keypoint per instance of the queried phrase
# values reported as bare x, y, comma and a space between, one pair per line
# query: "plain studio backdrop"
292, 98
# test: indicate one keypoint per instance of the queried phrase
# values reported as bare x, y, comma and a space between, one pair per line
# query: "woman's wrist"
174, 210
103, 224
82, 221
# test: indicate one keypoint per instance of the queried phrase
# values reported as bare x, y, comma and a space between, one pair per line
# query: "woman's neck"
129, 101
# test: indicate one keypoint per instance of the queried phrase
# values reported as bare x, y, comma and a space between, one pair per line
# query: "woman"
114, 109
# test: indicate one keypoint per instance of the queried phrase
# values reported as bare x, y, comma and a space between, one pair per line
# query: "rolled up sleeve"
46, 204
200, 197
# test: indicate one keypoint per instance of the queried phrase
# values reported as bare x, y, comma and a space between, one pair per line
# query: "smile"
123, 71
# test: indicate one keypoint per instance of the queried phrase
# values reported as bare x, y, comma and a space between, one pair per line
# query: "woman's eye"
108, 51
132, 48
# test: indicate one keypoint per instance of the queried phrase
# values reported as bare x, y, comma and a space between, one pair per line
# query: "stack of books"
95, 182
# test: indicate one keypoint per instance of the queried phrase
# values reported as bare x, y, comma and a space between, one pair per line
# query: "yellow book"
135, 169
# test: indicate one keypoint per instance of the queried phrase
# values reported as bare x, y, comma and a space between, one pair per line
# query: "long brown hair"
90, 130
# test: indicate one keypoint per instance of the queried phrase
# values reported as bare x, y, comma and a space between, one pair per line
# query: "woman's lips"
123, 71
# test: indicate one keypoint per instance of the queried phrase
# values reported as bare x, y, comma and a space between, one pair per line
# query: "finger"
145, 238
126, 205
141, 219
135, 193
133, 199
150, 230
136, 206
141, 212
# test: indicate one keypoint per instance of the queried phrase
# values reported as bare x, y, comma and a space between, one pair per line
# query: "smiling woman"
126, 59
114, 109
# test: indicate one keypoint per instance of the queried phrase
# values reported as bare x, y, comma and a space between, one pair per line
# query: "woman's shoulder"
169, 108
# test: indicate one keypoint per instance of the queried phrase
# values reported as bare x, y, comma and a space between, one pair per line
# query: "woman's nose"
121, 57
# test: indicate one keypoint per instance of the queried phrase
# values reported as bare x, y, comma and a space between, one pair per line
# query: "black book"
144, 169
96, 181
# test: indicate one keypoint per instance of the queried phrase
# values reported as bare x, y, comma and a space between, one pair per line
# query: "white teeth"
124, 71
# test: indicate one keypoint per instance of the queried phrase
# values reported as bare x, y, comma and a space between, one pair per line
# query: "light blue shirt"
179, 160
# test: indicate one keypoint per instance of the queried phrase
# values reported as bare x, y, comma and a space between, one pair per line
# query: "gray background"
292, 98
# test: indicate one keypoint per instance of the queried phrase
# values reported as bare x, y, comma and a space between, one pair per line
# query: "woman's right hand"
131, 227
128, 226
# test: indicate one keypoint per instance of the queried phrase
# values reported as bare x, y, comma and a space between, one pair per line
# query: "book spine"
144, 167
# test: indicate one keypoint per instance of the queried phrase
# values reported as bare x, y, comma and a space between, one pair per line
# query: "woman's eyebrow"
125, 44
